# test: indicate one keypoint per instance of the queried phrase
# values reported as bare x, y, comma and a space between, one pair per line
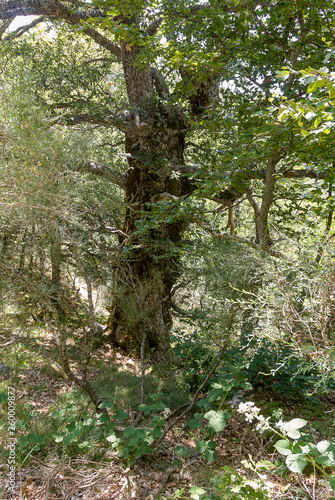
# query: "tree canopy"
176, 157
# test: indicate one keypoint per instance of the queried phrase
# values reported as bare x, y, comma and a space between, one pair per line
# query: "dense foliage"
166, 179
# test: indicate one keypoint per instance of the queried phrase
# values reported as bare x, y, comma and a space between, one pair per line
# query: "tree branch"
238, 239
5, 25
122, 122
23, 29
160, 84
55, 9
101, 170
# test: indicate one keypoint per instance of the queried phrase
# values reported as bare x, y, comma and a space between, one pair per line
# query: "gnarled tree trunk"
148, 264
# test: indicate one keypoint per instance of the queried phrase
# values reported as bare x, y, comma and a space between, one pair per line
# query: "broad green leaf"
284, 447
215, 394
182, 450
142, 407
292, 427
111, 438
325, 446
332, 482
217, 420
211, 445
211, 455
196, 492
104, 418
106, 405
196, 489
309, 449
327, 459
129, 431
121, 415
296, 462
194, 424
201, 446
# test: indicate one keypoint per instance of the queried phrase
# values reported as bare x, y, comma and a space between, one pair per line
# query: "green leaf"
121, 415
205, 403
323, 446
309, 449
201, 446
292, 427
142, 407
284, 447
327, 460
196, 489
217, 420
332, 482
182, 450
196, 492
104, 418
129, 431
215, 394
194, 424
296, 462
111, 438
106, 405
211, 455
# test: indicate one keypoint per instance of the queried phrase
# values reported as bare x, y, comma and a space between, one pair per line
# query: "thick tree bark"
148, 264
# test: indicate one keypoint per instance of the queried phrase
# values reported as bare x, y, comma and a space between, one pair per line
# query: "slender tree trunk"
56, 259
263, 233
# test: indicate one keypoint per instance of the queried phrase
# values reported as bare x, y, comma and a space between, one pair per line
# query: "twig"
165, 479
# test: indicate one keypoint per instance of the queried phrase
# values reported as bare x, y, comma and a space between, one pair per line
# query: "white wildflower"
166, 412
281, 425
263, 423
250, 410
245, 407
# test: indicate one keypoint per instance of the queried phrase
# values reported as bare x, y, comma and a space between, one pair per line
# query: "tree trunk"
56, 259
262, 228
147, 267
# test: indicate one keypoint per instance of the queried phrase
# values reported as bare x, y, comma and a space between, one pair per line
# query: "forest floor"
45, 472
